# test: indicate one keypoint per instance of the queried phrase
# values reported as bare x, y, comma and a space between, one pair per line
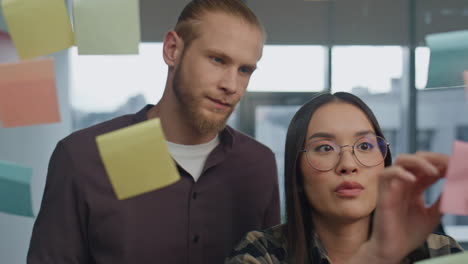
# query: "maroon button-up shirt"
81, 220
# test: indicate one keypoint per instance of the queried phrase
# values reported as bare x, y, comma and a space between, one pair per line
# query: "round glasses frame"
353, 146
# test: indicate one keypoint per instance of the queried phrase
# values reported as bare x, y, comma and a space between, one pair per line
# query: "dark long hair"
298, 211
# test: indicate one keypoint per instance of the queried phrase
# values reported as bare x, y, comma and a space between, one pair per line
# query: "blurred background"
375, 49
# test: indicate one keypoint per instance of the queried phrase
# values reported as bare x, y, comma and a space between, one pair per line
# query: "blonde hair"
195, 9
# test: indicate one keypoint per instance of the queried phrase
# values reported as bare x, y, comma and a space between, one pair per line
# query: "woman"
342, 205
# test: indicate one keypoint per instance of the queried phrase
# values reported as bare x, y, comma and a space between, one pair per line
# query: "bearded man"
228, 182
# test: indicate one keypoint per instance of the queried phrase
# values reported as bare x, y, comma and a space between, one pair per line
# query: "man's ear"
172, 48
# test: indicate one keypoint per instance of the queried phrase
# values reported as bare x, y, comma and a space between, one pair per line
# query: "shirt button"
195, 238
194, 195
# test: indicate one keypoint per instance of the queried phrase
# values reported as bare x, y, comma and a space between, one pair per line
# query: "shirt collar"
318, 253
141, 116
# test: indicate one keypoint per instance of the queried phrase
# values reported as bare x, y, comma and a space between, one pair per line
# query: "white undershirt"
192, 157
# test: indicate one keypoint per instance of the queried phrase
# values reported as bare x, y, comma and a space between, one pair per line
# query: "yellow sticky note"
136, 159
457, 258
38, 27
107, 26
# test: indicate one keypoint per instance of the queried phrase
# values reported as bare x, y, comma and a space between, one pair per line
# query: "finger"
418, 165
422, 184
439, 160
398, 172
415, 186
395, 185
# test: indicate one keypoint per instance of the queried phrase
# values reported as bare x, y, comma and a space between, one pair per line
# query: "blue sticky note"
15, 189
448, 59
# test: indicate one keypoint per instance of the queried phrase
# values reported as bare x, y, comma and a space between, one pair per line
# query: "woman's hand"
402, 222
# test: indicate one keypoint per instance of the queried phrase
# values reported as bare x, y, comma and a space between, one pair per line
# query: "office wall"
31, 146
350, 22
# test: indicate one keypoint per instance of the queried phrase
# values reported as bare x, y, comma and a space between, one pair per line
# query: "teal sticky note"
107, 26
457, 258
15, 189
448, 59
3, 26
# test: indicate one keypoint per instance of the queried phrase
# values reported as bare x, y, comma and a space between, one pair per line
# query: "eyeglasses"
324, 154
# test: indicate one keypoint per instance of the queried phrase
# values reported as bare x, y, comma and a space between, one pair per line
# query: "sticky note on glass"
15, 189
449, 56
454, 194
28, 95
3, 26
457, 258
136, 159
107, 26
38, 27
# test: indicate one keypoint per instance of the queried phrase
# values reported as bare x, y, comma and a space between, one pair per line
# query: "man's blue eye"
217, 60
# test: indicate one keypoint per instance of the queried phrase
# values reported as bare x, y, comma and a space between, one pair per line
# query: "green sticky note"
448, 59
15, 194
458, 258
136, 159
107, 26
38, 28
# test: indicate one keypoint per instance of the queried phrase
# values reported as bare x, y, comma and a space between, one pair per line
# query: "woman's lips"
349, 189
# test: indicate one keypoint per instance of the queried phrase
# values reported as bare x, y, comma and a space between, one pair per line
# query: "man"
228, 182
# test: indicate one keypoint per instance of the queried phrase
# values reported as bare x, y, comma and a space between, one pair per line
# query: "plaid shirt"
269, 247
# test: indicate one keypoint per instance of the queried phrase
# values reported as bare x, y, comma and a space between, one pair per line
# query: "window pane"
291, 69
106, 86
271, 127
104, 82
366, 69
422, 66
375, 74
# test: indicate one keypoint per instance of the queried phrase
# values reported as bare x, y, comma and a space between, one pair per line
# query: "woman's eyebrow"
321, 135
363, 133
332, 136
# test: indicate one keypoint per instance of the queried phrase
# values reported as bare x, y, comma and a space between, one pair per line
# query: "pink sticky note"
455, 194
28, 95
465, 76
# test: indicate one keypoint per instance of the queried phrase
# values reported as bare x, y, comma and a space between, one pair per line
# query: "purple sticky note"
455, 193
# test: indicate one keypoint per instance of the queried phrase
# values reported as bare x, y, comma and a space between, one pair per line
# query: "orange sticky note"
28, 95
455, 195
465, 77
